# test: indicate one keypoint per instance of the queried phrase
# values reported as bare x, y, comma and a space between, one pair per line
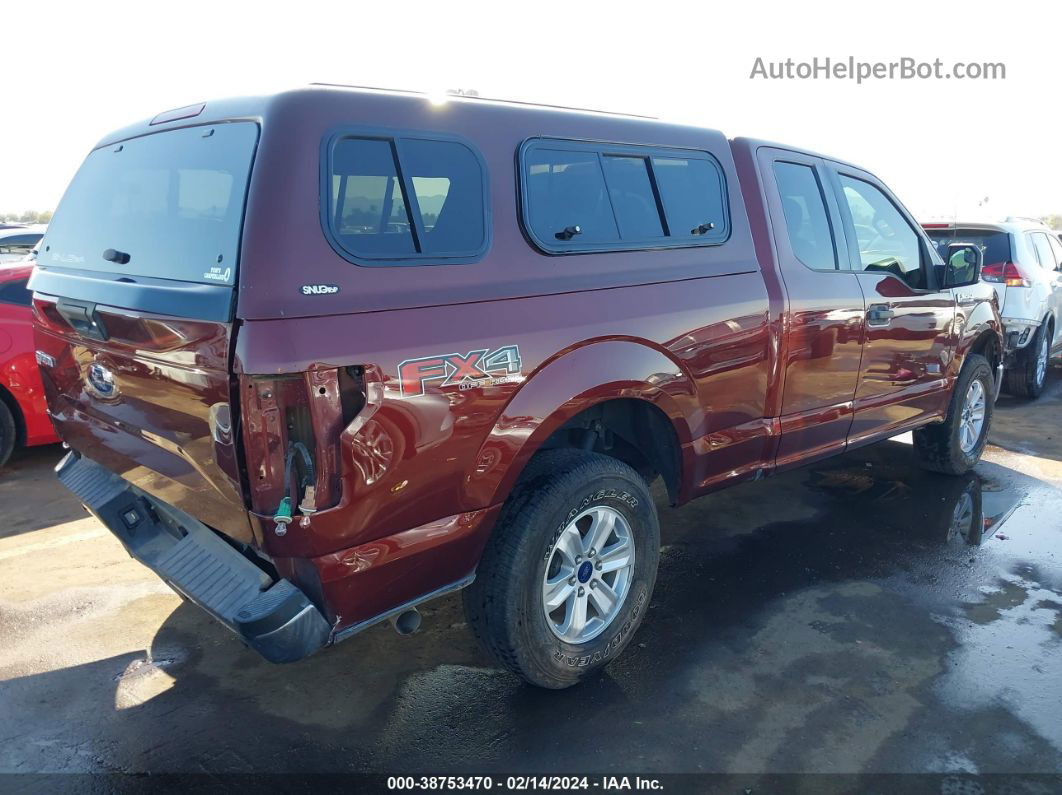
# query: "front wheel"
955, 445
569, 570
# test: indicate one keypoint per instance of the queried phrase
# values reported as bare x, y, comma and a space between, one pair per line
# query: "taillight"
1007, 273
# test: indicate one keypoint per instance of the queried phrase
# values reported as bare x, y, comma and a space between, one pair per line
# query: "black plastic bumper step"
273, 616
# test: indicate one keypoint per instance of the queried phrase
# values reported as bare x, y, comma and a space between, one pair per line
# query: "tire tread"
936, 447
486, 599
1020, 378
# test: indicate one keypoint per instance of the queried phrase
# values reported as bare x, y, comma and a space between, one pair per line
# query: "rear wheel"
567, 575
7, 433
955, 445
1027, 376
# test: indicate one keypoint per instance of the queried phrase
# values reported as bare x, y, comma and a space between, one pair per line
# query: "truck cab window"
886, 241
806, 220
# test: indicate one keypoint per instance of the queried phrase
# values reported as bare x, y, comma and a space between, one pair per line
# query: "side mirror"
963, 266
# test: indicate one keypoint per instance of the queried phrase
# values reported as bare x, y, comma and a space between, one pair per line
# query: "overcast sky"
72, 74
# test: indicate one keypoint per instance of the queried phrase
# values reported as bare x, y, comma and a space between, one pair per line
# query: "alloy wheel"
1041, 359
972, 420
588, 575
962, 517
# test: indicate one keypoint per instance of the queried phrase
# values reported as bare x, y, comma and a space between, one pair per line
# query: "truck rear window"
994, 245
172, 202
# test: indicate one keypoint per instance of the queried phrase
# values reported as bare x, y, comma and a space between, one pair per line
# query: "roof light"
187, 112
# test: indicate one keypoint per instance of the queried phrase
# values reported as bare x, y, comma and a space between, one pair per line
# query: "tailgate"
133, 296
150, 402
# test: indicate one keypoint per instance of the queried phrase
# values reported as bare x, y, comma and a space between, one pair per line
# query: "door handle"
879, 315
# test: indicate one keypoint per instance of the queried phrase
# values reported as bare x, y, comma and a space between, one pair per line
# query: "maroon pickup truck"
324, 355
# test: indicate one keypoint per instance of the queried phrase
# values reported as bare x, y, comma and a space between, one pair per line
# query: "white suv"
1023, 261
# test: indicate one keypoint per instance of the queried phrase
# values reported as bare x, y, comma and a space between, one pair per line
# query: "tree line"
27, 217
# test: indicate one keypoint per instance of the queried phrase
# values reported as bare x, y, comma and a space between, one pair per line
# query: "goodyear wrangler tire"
568, 573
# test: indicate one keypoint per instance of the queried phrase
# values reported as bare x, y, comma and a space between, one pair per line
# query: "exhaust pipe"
407, 622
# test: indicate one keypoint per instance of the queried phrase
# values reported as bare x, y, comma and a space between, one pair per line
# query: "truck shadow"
777, 604
31, 497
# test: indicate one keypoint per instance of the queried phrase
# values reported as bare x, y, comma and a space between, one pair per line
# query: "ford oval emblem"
102, 380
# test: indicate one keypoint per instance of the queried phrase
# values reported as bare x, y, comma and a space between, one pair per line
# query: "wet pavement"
859, 615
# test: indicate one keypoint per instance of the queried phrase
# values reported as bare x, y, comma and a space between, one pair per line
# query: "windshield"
994, 245
167, 205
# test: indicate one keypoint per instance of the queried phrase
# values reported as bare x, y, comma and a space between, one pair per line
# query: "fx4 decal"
483, 367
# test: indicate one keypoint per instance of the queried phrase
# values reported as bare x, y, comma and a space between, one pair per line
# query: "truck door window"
886, 241
806, 219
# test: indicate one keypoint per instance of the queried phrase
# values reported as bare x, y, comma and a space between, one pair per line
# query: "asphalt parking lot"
859, 615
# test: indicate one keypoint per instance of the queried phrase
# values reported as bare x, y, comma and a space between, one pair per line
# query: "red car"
23, 411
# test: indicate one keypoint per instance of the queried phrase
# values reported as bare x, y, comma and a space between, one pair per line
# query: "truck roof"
315, 98
756, 143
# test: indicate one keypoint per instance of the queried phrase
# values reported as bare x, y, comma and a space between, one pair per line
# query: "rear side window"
580, 196
1056, 249
16, 293
395, 199
806, 220
1043, 251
